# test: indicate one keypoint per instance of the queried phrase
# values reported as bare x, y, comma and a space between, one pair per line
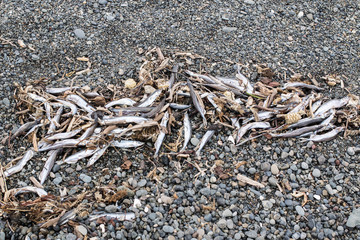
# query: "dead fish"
25, 127
208, 79
315, 106
20, 165
78, 156
59, 90
34, 128
179, 106
245, 82
122, 120
55, 121
39, 191
329, 119
203, 141
187, 131
156, 110
162, 133
63, 144
118, 216
131, 110
235, 122
298, 132
43, 100
64, 135
122, 101
327, 136
36, 97
147, 102
197, 101
336, 103
88, 132
249, 126
126, 144
304, 103
97, 155
91, 94
81, 103
301, 85
210, 98
73, 108
262, 116
48, 165
173, 76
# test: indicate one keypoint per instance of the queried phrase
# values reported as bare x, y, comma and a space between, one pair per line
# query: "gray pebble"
265, 166
85, 178
35, 57
141, 192
267, 204
6, 102
251, 234
251, 2
321, 159
273, 181
229, 224
142, 183
227, 213
79, 33
229, 29
111, 208
304, 165
71, 236
194, 141
252, 170
221, 223
2, 236
300, 210
316, 173
329, 189
274, 169
351, 151
208, 217
168, 229
103, 2
57, 180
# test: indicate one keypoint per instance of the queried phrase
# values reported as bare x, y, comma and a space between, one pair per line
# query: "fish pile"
166, 105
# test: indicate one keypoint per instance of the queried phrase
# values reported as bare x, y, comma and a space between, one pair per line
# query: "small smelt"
336, 103
327, 136
162, 133
301, 85
199, 105
24, 128
203, 141
59, 90
127, 144
63, 144
150, 99
72, 107
249, 126
81, 103
48, 166
123, 101
55, 121
187, 131
20, 165
80, 155
97, 155
122, 120
179, 106
118, 216
64, 135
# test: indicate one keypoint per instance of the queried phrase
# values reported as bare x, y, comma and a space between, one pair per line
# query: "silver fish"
122, 101
122, 120
304, 103
235, 122
249, 126
90, 94
64, 135
73, 108
301, 85
203, 141
55, 121
63, 144
59, 90
118, 216
179, 106
36, 97
336, 103
126, 144
131, 110
25, 127
298, 132
88, 132
208, 79
327, 136
48, 166
197, 101
262, 116
80, 102
150, 99
315, 106
34, 128
245, 82
156, 110
39, 191
173, 76
210, 98
187, 131
329, 119
43, 100
97, 155
79, 155
20, 165
162, 133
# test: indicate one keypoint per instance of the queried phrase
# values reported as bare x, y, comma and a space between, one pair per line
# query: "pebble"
82, 229
167, 200
351, 151
251, 234
79, 33
354, 218
316, 173
265, 166
6, 102
57, 180
71, 236
229, 29
140, 193
227, 213
267, 204
142, 183
300, 210
273, 181
274, 169
168, 229
85, 178
2, 236
102, 2
221, 223
329, 189
111, 208
229, 224
194, 141
304, 165
251, 2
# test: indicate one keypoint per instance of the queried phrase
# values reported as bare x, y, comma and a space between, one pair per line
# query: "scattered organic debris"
74, 123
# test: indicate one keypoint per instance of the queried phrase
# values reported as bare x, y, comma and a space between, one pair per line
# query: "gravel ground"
316, 37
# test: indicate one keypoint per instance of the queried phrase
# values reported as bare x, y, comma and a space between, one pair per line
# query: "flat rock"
79, 33
275, 169
354, 218
85, 178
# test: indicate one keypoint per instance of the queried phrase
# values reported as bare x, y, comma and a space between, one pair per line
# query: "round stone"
79, 33
274, 169
316, 173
